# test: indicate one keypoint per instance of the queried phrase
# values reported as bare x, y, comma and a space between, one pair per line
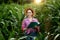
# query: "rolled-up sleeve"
23, 25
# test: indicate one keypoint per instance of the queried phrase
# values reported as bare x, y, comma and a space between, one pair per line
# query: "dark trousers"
31, 36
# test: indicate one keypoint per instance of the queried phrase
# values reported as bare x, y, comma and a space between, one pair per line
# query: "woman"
29, 18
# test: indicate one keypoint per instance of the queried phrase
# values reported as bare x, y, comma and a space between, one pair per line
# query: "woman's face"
29, 13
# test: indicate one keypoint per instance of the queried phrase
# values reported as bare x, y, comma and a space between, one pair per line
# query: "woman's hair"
33, 12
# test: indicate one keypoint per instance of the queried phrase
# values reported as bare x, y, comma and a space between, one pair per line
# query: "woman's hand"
37, 28
25, 29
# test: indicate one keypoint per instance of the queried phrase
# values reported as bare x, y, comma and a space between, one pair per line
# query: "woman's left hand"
37, 28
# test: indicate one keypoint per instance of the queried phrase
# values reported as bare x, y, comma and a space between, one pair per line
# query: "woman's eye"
29, 12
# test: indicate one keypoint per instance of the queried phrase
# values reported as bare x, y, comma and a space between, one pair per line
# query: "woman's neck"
30, 17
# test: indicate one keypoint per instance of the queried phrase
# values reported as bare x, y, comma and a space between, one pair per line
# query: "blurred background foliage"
12, 14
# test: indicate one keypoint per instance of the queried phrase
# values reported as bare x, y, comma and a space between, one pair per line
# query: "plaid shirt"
25, 24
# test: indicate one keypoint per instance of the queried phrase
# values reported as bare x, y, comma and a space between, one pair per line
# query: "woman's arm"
24, 25
37, 27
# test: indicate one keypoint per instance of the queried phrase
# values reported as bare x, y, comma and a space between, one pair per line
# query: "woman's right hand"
25, 29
